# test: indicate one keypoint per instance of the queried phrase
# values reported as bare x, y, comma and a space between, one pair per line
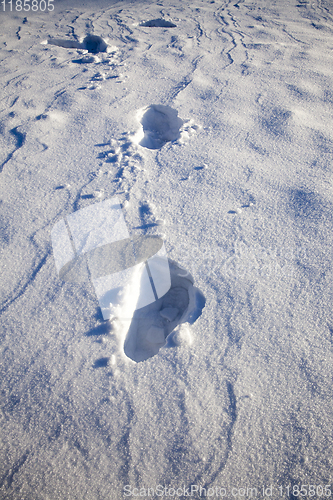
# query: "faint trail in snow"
124, 443
236, 37
19, 79
45, 146
57, 94
330, 328
215, 465
187, 80
123, 29
325, 11
20, 289
201, 31
14, 101
235, 336
183, 443
20, 140
293, 37
9, 476
72, 31
232, 412
231, 61
181, 86
285, 30
311, 378
80, 195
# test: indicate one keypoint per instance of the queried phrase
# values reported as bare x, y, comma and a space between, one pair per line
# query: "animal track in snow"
122, 152
148, 218
188, 129
158, 23
160, 124
120, 166
152, 325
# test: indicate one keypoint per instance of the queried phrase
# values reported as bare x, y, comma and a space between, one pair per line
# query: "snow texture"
216, 136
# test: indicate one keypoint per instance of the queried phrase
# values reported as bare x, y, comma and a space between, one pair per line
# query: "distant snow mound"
160, 124
158, 23
151, 325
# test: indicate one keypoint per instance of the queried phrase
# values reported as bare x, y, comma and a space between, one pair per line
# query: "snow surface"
236, 176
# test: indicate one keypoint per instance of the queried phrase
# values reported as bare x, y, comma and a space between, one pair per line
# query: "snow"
210, 122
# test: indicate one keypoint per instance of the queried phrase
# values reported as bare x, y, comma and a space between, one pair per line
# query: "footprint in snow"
158, 23
160, 124
157, 324
92, 43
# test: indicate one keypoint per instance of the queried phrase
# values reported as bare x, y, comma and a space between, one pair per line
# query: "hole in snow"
152, 325
160, 124
158, 23
94, 44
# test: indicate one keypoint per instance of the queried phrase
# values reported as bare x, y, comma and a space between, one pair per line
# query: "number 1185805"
27, 5
309, 490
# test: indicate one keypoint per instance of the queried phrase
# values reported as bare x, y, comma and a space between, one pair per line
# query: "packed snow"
211, 123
